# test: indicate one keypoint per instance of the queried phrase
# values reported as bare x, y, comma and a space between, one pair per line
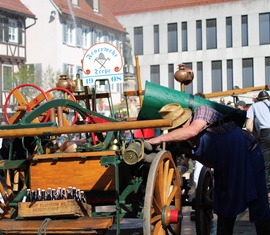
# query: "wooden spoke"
14, 183
163, 195
23, 99
61, 115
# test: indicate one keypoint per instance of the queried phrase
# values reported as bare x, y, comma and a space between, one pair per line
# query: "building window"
111, 39
248, 73
229, 74
172, 38
200, 77
199, 34
7, 73
189, 87
85, 38
95, 5
70, 34
13, 31
211, 33
267, 70
156, 39
264, 28
245, 30
99, 36
171, 76
75, 2
216, 76
138, 41
155, 74
69, 69
184, 36
228, 31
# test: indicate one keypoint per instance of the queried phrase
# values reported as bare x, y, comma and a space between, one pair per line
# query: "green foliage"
25, 74
50, 78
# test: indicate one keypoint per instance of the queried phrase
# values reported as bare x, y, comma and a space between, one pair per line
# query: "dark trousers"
265, 147
225, 226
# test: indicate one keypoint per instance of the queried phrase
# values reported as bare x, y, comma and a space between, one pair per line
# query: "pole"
138, 72
110, 126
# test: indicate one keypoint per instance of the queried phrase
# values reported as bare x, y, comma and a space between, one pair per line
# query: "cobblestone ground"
134, 226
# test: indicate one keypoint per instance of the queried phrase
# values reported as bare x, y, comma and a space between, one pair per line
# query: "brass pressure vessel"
134, 152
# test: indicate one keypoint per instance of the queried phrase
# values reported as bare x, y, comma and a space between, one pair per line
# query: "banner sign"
102, 61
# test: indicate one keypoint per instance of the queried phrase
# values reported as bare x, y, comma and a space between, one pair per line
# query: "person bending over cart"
237, 161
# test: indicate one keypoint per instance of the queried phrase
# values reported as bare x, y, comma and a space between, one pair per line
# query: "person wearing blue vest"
218, 142
258, 123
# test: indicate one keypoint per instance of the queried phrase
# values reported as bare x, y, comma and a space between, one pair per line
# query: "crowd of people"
239, 156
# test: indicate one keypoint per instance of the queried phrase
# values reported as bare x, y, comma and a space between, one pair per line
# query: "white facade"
258, 53
46, 46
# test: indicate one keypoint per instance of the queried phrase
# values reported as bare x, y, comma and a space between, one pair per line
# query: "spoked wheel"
23, 99
162, 211
203, 202
62, 114
10, 185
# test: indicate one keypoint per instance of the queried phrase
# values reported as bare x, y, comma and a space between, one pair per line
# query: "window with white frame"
267, 70
171, 76
156, 39
184, 36
247, 72
172, 38
155, 74
229, 32
211, 33
229, 74
13, 31
69, 70
75, 2
244, 22
199, 34
200, 77
138, 40
264, 22
85, 38
111, 39
70, 33
99, 36
189, 87
216, 76
96, 6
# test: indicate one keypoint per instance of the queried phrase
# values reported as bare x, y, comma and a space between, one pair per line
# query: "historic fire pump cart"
62, 161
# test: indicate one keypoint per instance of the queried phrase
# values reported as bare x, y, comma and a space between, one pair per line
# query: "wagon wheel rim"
162, 197
24, 106
203, 206
15, 182
67, 95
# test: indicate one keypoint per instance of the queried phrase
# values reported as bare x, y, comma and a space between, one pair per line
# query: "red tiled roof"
16, 6
84, 11
125, 7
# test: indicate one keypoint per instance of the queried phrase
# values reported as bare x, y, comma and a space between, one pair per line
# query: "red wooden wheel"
66, 118
21, 100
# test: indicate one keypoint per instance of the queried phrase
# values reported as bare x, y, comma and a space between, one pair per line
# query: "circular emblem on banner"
102, 61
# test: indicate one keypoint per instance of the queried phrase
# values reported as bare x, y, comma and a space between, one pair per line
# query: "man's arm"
181, 134
250, 128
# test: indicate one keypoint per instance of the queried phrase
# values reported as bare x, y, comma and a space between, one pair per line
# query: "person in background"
258, 123
240, 105
237, 161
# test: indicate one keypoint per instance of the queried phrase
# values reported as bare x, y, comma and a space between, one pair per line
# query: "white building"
65, 29
226, 43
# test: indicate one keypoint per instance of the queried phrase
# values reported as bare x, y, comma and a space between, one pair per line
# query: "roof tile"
105, 17
125, 7
16, 6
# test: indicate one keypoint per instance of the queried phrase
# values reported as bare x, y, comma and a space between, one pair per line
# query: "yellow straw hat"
176, 113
